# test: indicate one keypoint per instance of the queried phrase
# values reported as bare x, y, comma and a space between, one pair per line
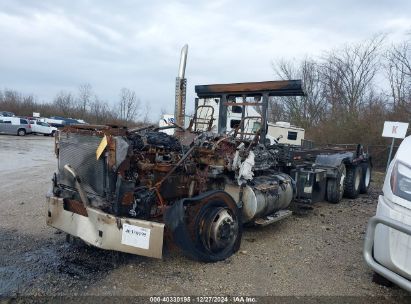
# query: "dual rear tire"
353, 182
349, 182
335, 186
366, 177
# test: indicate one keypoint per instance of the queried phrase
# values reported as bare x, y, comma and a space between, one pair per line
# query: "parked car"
15, 126
387, 248
67, 121
60, 122
40, 127
6, 114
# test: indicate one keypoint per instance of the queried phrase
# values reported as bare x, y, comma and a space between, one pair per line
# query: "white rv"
285, 133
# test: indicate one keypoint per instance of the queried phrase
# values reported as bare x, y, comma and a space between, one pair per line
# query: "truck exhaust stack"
181, 84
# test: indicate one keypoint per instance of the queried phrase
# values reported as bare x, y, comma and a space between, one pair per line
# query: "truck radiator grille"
79, 151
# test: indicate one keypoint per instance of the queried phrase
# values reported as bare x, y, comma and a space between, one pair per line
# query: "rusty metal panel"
274, 88
104, 230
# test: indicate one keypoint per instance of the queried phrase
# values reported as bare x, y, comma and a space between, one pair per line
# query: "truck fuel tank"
264, 195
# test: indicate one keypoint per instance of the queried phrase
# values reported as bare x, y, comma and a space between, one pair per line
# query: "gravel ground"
318, 254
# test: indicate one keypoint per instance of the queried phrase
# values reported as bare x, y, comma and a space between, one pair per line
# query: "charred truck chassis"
147, 185
129, 190
133, 190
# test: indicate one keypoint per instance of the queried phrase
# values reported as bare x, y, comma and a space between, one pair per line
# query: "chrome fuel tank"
264, 195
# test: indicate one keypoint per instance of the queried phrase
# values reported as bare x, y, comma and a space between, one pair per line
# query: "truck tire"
217, 243
365, 177
21, 132
207, 227
352, 182
335, 186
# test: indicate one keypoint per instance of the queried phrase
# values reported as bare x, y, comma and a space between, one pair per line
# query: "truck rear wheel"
365, 177
335, 186
353, 181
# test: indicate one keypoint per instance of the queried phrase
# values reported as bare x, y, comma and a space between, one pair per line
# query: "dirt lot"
316, 254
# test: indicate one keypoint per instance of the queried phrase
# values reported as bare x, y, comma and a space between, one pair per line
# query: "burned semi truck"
133, 190
129, 190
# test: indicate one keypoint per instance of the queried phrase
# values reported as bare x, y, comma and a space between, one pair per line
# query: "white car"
40, 127
387, 247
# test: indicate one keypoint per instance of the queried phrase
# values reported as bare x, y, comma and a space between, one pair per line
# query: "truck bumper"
386, 272
107, 231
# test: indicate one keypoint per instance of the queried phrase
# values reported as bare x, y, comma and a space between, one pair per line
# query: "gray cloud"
47, 46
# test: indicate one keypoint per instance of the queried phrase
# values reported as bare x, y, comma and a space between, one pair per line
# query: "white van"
15, 126
387, 247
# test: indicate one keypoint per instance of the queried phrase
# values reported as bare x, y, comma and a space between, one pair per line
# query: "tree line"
84, 104
344, 102
350, 91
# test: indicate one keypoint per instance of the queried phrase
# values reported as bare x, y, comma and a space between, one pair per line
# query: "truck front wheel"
206, 227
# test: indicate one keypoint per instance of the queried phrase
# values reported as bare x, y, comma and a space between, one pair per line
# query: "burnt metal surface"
144, 171
274, 88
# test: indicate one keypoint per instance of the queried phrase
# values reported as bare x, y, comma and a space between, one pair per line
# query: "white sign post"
395, 130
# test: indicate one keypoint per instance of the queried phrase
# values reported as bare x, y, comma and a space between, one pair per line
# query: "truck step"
275, 217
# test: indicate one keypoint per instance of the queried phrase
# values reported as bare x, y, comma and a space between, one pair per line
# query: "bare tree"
64, 102
348, 73
402, 53
305, 111
146, 114
85, 95
398, 72
276, 110
129, 105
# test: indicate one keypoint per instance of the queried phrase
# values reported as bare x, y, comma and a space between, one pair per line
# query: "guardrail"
369, 244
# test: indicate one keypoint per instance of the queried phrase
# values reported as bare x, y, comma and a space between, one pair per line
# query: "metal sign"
35, 114
395, 129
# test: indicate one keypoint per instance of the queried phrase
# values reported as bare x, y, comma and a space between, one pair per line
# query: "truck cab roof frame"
272, 88
249, 89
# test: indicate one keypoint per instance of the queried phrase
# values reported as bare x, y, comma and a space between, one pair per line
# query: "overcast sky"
48, 45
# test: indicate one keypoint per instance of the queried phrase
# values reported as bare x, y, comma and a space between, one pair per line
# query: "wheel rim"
357, 179
219, 230
367, 177
342, 180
